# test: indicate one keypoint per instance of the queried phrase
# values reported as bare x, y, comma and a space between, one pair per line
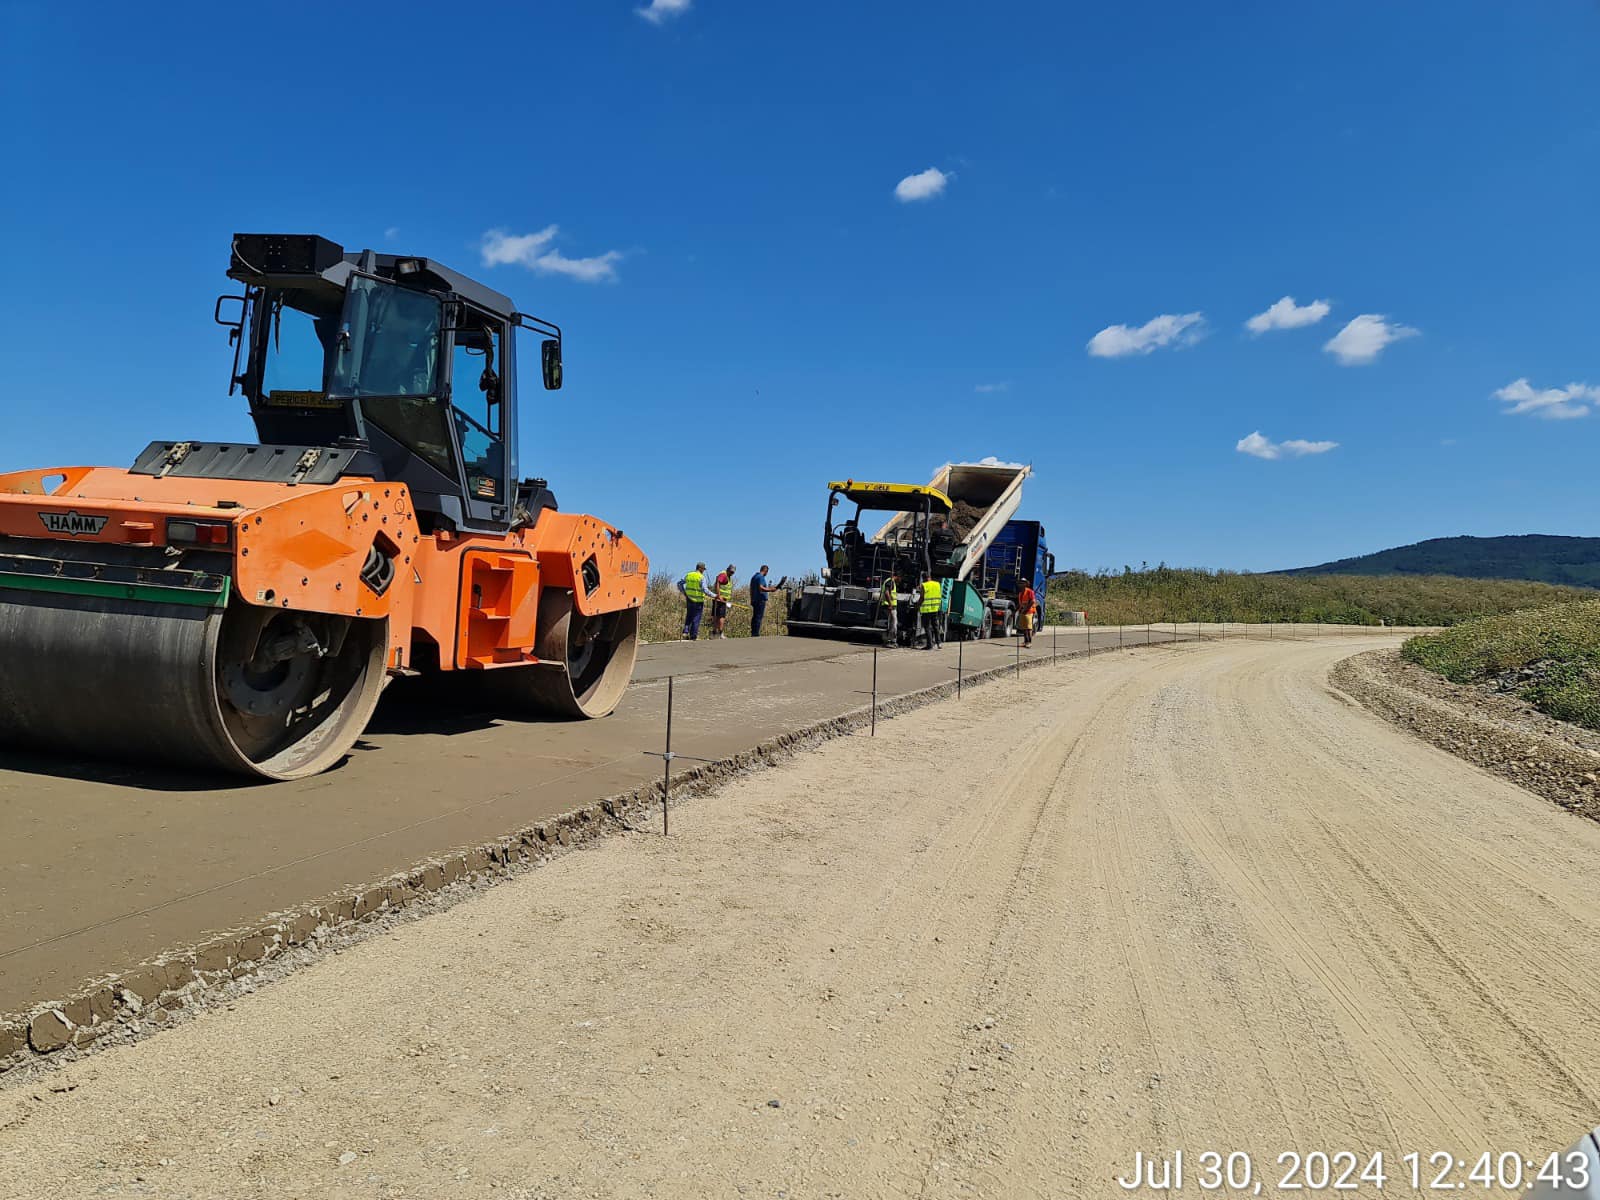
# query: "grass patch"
661, 618
1549, 656
1163, 593
1552, 654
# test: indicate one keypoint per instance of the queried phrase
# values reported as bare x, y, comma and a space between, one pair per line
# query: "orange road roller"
241, 605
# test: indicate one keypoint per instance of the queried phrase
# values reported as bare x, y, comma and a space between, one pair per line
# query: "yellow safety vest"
889, 598
694, 587
725, 591
930, 596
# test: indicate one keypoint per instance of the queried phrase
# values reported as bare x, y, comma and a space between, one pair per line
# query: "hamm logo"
73, 523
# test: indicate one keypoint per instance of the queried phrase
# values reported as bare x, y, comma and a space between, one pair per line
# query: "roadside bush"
1561, 633
1549, 656
1569, 692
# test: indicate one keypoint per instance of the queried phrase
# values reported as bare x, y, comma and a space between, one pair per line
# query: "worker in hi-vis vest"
890, 598
693, 587
928, 618
722, 602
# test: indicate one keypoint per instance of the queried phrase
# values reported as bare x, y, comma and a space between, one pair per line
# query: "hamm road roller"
241, 605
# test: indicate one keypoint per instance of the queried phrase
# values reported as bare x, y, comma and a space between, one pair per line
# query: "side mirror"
237, 322
550, 361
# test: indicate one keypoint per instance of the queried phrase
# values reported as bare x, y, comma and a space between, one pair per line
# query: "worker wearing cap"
693, 588
759, 591
931, 595
722, 603
890, 598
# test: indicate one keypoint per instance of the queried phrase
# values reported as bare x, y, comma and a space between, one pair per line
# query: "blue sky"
750, 307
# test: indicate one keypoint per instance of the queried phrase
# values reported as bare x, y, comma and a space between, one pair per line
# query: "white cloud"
658, 11
534, 251
989, 460
597, 268
391, 233
1260, 447
1363, 339
924, 185
1553, 404
1286, 314
1169, 329
500, 247
986, 388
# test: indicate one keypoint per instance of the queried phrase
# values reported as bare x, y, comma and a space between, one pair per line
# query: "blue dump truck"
1016, 557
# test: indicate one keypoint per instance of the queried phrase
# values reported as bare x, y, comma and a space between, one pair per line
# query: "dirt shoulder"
1493, 730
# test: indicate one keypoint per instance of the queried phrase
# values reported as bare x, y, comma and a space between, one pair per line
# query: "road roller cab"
240, 605
402, 356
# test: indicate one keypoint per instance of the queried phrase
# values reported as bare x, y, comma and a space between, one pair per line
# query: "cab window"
476, 391
416, 422
388, 342
295, 342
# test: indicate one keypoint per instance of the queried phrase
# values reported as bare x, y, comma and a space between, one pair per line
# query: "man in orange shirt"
1026, 603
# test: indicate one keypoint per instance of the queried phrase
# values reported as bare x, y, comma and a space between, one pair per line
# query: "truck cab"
1018, 556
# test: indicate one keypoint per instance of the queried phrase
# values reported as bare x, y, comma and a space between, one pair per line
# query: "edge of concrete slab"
178, 984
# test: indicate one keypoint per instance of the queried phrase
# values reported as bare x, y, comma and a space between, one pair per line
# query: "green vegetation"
661, 619
1574, 561
1550, 656
1176, 594
1163, 593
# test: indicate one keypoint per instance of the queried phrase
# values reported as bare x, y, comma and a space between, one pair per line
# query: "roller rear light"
199, 533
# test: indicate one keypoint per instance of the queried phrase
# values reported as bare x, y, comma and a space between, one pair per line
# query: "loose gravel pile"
1495, 730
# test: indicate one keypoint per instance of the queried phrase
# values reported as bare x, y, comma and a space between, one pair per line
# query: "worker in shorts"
1027, 603
722, 602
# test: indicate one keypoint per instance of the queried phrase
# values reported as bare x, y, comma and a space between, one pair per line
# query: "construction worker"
889, 596
1027, 602
759, 591
722, 602
930, 596
693, 587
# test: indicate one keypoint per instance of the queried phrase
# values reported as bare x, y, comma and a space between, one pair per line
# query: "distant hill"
1546, 558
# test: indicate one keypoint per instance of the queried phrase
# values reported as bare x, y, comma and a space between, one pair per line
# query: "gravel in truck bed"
964, 516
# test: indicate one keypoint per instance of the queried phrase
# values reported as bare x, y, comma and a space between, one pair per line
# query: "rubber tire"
570, 682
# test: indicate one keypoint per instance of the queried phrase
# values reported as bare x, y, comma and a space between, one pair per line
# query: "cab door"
481, 389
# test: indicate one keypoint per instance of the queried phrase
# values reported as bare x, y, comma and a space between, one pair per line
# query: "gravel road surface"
1182, 899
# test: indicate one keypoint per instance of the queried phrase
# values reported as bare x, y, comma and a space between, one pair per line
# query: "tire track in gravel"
1020, 917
